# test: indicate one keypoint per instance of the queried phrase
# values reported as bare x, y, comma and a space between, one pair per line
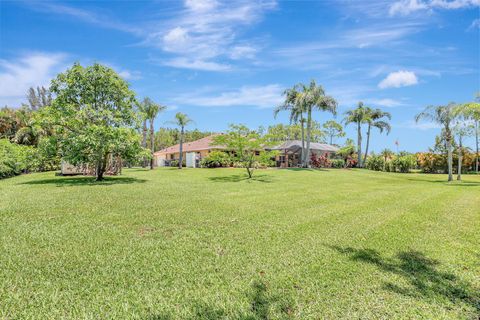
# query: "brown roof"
201, 144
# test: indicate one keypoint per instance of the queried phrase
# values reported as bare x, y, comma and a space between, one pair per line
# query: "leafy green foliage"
216, 159
93, 116
337, 163
405, 163
248, 147
375, 162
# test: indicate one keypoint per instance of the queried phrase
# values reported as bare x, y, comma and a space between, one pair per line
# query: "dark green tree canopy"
93, 112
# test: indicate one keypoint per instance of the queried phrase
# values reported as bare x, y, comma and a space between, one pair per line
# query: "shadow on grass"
263, 305
425, 280
84, 181
243, 177
454, 183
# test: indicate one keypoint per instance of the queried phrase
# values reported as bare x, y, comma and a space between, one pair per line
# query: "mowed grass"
209, 244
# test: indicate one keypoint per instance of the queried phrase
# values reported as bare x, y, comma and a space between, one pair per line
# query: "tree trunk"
460, 158
359, 144
303, 140
152, 143
368, 142
100, 168
476, 143
450, 158
309, 129
144, 141
249, 173
180, 161
331, 139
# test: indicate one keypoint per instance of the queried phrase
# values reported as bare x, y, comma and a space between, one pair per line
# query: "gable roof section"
198, 145
297, 144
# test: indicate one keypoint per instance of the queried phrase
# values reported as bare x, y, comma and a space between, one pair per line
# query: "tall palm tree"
444, 116
313, 98
472, 111
357, 116
181, 120
143, 114
293, 104
151, 110
374, 119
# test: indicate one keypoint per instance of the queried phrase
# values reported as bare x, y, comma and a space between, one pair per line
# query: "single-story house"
290, 152
196, 149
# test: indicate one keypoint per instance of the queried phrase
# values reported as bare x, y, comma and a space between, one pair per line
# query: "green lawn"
208, 244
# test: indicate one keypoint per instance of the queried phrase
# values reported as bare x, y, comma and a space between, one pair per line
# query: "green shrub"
13, 158
375, 162
405, 163
216, 159
337, 163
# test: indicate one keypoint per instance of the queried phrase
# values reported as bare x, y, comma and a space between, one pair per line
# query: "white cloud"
267, 96
475, 24
406, 7
84, 15
31, 70
196, 64
385, 102
420, 125
207, 31
399, 79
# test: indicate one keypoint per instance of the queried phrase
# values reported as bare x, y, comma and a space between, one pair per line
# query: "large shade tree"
93, 115
376, 118
181, 120
357, 116
443, 115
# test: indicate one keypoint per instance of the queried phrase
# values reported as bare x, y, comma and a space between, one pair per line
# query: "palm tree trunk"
303, 140
460, 158
476, 143
144, 141
152, 143
368, 142
309, 129
450, 157
359, 144
180, 161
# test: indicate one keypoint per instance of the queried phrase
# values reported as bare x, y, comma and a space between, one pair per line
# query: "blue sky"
228, 62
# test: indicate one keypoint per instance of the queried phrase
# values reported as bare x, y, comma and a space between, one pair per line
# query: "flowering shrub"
375, 162
319, 161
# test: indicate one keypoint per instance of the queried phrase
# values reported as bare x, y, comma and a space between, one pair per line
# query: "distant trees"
378, 119
39, 98
443, 115
181, 120
93, 116
333, 130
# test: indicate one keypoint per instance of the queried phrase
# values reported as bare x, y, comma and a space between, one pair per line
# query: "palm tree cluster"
455, 121
149, 111
301, 101
375, 118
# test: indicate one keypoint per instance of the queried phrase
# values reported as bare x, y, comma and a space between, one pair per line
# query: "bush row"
16, 159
